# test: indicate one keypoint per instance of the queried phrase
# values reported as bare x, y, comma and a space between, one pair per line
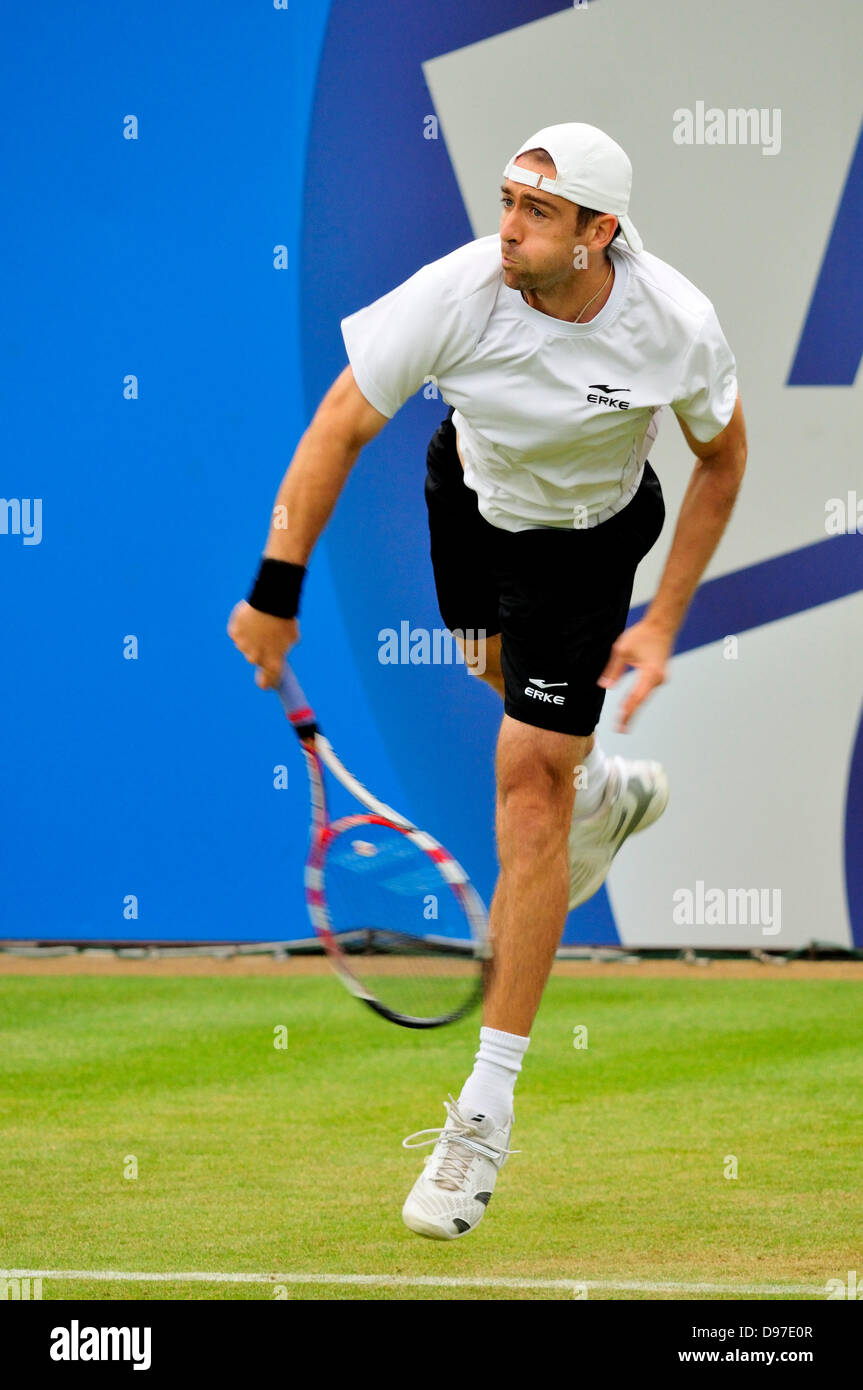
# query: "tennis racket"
400, 922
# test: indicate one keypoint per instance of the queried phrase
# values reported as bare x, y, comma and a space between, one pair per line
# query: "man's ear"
606, 223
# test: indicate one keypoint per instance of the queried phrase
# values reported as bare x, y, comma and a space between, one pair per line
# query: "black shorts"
559, 598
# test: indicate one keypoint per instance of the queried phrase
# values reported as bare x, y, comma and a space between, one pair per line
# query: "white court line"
407, 1281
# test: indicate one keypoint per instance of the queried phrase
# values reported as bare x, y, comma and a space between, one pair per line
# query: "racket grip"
296, 706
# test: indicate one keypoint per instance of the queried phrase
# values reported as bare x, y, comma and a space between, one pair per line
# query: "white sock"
588, 798
489, 1088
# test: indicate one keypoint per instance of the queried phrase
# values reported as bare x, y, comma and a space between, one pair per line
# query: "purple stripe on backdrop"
776, 588
854, 839
831, 343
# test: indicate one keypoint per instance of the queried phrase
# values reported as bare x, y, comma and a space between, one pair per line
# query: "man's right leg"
534, 805
482, 660
615, 796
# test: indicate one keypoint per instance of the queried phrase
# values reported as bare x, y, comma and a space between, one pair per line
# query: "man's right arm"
343, 423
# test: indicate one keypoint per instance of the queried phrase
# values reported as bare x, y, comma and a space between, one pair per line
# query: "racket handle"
297, 708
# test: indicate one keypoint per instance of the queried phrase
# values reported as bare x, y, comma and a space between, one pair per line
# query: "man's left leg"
616, 796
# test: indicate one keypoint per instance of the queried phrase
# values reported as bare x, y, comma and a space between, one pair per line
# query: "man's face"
537, 232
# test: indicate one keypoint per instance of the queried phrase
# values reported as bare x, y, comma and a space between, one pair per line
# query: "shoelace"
454, 1165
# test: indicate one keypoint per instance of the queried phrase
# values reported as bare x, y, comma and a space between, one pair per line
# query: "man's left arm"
704, 515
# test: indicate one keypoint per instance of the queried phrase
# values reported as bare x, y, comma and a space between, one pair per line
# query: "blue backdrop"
154, 258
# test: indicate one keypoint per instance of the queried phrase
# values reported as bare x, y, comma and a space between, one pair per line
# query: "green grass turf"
252, 1158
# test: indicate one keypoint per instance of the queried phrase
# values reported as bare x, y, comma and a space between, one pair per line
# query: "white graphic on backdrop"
757, 749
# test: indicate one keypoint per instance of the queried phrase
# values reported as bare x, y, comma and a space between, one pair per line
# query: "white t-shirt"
554, 419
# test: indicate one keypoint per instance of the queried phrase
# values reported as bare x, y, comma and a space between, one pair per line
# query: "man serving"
556, 343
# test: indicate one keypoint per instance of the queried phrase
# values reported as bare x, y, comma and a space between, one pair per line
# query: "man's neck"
571, 299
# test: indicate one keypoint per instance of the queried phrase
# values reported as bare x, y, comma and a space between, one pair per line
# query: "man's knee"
535, 783
534, 806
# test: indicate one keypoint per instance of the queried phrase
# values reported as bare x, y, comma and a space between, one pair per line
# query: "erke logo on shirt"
607, 394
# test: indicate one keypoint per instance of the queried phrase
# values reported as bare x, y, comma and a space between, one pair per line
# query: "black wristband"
276, 589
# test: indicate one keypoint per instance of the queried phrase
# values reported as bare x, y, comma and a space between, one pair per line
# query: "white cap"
592, 171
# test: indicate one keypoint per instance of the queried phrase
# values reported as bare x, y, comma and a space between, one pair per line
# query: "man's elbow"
345, 417
728, 465
728, 453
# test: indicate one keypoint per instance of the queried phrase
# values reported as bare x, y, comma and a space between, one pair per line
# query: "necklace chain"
598, 293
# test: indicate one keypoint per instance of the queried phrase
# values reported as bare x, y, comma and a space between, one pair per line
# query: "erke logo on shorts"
606, 398
544, 687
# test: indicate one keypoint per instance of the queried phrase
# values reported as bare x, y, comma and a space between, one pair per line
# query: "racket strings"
401, 927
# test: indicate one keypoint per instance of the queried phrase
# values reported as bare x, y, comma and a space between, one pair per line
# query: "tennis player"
556, 343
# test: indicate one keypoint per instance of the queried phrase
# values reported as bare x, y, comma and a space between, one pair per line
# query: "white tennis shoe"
451, 1194
635, 796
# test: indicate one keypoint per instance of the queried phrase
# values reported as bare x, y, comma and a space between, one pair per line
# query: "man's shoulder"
668, 287
459, 291
468, 269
